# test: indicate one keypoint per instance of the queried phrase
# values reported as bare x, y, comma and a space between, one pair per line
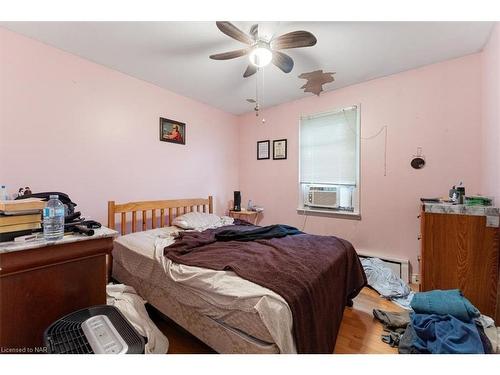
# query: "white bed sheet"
219, 288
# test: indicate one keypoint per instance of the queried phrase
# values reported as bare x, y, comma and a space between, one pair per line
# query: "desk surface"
7, 247
461, 209
245, 212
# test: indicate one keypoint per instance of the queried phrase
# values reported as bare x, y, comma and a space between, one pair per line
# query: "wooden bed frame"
168, 210
157, 214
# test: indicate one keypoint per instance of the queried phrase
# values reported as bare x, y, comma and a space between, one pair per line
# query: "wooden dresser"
460, 250
40, 282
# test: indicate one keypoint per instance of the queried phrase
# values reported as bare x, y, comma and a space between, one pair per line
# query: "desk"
41, 281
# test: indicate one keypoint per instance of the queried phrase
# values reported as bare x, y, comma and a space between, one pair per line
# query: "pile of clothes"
384, 280
442, 322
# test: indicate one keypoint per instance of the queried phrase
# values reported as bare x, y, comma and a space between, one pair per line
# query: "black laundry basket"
98, 329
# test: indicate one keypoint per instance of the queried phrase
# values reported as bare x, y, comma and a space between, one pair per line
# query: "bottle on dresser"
3, 193
53, 219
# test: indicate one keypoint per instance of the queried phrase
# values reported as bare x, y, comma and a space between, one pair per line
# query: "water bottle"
53, 219
3, 193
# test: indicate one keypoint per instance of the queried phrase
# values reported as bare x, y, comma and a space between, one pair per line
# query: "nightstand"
250, 216
42, 281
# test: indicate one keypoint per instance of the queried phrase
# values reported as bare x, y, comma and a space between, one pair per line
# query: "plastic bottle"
53, 219
3, 193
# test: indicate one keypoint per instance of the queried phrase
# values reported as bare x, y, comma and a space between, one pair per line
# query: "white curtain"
328, 148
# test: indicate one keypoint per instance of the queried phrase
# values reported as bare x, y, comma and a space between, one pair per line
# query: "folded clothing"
445, 302
445, 334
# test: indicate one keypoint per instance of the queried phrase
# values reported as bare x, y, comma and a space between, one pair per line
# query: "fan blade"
254, 31
295, 39
282, 61
232, 31
230, 54
251, 69
251, 100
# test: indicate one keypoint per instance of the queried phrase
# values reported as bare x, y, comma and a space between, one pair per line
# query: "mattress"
238, 304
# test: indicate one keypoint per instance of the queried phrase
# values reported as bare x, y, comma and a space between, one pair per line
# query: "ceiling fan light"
260, 56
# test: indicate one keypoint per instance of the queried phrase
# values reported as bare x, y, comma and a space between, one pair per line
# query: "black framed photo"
172, 131
263, 150
279, 149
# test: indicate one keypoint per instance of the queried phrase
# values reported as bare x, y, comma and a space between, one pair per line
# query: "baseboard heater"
400, 267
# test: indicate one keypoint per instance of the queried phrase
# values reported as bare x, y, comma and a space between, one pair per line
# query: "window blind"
328, 148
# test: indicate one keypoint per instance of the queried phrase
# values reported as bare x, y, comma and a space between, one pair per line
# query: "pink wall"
490, 98
436, 107
71, 125
102, 128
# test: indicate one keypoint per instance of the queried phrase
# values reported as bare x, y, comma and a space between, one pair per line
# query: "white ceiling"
174, 55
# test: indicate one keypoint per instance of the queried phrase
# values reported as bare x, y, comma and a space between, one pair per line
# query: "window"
329, 162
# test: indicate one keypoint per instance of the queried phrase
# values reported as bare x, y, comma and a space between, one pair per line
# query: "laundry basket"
98, 329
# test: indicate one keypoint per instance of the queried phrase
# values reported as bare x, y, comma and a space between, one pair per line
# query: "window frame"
325, 212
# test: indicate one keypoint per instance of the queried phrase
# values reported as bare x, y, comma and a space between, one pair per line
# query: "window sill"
329, 213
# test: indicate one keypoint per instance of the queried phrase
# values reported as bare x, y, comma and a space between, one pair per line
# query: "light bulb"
260, 56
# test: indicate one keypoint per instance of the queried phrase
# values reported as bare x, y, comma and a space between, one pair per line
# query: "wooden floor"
359, 331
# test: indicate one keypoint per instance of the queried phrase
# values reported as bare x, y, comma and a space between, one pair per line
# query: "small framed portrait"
263, 150
172, 131
279, 149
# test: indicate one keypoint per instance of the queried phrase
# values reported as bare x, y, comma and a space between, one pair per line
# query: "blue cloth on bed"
443, 302
445, 334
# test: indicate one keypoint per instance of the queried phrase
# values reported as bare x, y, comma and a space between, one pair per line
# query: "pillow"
201, 221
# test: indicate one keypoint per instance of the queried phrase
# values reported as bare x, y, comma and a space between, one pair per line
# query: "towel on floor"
445, 334
445, 302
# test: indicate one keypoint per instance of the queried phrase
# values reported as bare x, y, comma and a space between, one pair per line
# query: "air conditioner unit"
321, 196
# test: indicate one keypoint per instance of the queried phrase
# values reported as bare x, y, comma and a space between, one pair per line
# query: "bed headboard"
162, 213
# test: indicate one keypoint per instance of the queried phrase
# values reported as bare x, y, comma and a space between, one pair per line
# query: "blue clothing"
443, 302
445, 334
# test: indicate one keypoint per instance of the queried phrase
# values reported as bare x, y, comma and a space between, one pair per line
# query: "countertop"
7, 247
461, 209
492, 213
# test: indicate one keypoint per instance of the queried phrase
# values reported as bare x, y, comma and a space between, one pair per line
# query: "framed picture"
279, 149
172, 131
263, 150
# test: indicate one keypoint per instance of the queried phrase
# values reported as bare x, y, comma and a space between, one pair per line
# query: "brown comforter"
316, 275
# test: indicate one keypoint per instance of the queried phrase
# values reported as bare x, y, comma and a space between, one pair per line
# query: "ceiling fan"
261, 52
